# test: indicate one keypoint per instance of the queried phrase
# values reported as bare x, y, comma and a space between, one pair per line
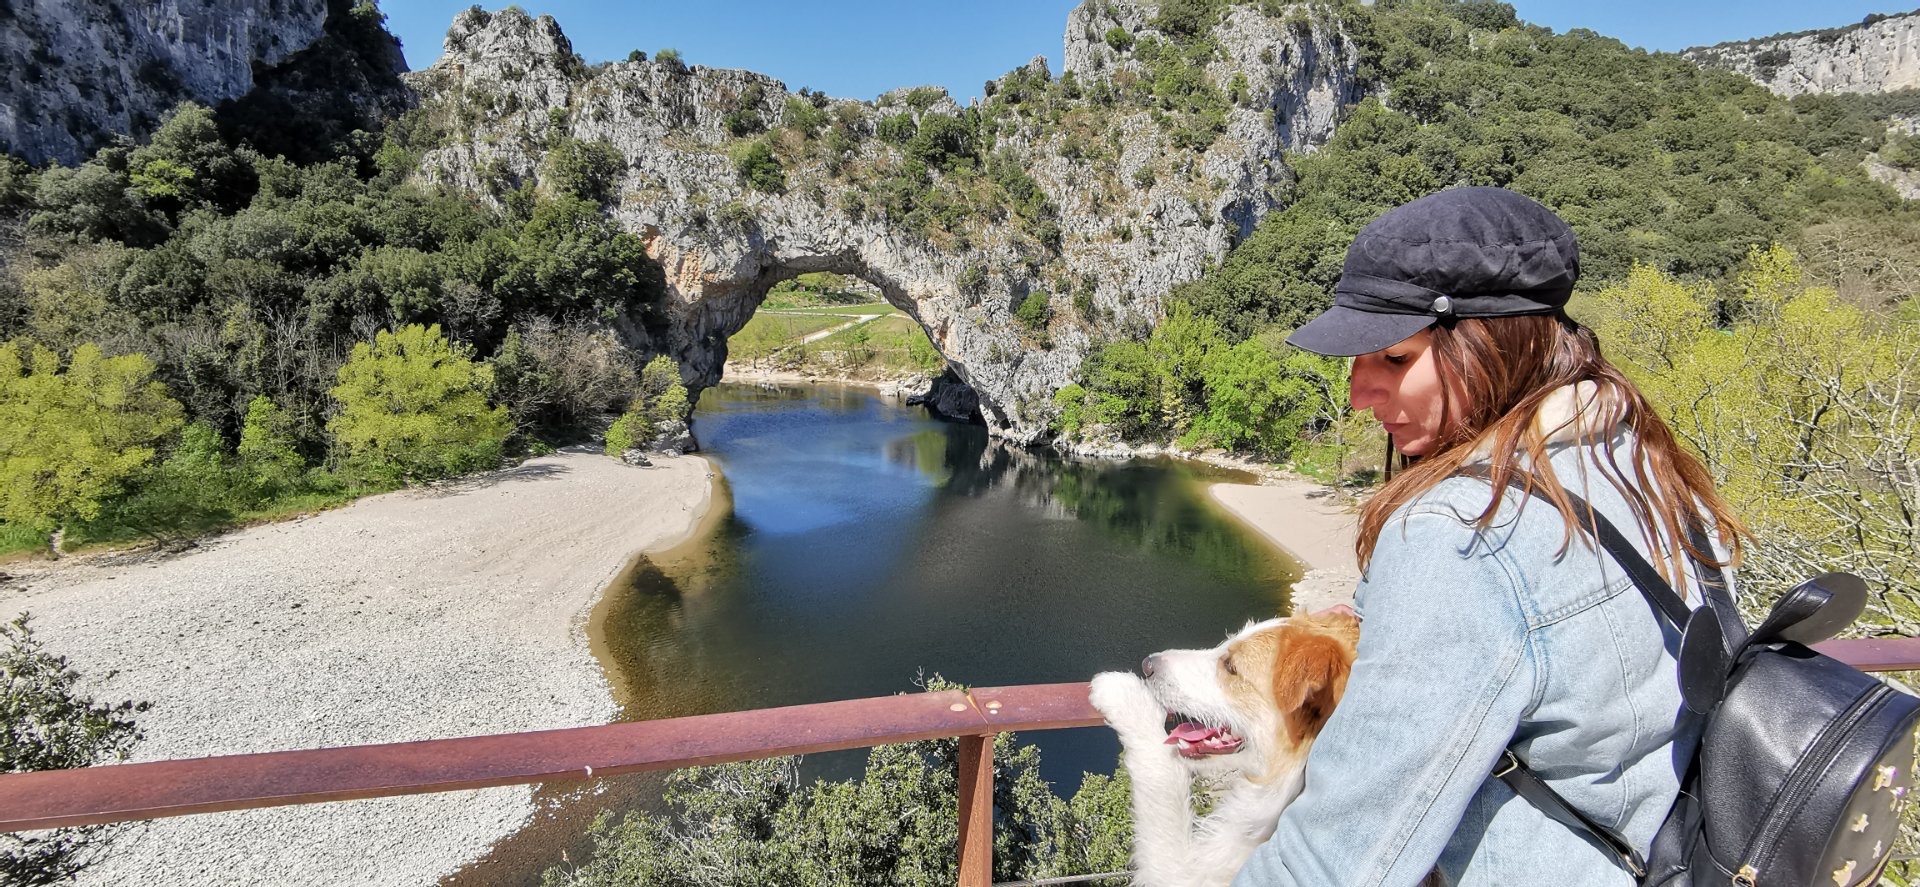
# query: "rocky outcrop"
1879, 55
75, 72
950, 399
1118, 210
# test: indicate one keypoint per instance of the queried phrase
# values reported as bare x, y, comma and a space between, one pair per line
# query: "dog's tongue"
1189, 731
1199, 739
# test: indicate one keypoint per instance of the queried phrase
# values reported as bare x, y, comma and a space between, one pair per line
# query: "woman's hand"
1335, 610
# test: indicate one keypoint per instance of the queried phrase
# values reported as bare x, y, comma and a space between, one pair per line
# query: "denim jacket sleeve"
1446, 670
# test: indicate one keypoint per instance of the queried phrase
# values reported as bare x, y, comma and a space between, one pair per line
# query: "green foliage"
1801, 406
630, 430
660, 401
414, 407
670, 59
72, 438
269, 450
53, 724
1188, 381
1034, 311
1119, 38
665, 395
587, 170
942, 141
756, 823
804, 117
745, 118
896, 128
757, 166
1649, 157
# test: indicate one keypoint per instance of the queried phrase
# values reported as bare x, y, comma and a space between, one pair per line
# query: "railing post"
976, 811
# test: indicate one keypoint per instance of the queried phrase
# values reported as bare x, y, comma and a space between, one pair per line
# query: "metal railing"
122, 792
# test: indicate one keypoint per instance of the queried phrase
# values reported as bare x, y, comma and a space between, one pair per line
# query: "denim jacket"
1473, 641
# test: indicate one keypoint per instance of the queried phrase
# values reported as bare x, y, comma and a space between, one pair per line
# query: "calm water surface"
867, 544
857, 544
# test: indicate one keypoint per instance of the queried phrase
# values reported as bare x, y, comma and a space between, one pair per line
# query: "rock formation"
78, 71
1113, 208
1879, 55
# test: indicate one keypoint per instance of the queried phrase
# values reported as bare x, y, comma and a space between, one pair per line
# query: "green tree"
663, 392
72, 439
755, 823
587, 170
632, 429
413, 407
53, 724
758, 167
1800, 405
269, 448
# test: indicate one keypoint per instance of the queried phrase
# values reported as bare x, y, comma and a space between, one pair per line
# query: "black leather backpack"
1804, 762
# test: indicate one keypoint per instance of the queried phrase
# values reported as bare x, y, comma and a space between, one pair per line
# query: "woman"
1489, 622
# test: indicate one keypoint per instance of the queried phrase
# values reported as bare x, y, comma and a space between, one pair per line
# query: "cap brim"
1348, 332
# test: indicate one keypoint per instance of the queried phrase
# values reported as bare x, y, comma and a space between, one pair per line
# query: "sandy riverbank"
453, 611
1311, 523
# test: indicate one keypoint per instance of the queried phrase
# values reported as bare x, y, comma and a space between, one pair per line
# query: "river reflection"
854, 545
867, 544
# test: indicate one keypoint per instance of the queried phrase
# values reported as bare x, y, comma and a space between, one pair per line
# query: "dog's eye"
1227, 664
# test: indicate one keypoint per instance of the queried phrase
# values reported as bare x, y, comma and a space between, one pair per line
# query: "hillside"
1196, 170
1880, 54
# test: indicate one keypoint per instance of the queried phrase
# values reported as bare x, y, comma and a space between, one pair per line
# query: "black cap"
1464, 252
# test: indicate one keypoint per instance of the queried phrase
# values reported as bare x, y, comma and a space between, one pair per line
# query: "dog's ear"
1309, 674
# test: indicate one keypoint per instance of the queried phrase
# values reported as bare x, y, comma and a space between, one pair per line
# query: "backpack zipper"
1800, 782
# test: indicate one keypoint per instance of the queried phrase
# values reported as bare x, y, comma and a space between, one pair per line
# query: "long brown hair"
1501, 370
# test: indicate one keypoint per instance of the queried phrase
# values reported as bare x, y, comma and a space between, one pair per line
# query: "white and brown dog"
1244, 715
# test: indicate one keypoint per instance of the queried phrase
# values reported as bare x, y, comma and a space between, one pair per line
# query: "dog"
1244, 715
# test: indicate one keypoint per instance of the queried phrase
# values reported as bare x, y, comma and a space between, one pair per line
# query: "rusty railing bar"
976, 811
1875, 654
1069, 879
120, 792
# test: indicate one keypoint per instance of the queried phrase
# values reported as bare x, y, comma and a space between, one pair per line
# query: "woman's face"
1401, 384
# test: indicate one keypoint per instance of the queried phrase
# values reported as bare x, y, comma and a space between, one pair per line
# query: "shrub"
588, 170
269, 448
804, 117
1119, 38
52, 724
897, 128
665, 395
670, 59
757, 166
413, 407
74, 438
629, 431
1034, 311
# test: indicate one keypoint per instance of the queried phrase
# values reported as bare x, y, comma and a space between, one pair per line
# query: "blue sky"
860, 48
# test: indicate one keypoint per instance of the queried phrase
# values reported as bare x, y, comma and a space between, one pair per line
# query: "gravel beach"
1311, 523
420, 614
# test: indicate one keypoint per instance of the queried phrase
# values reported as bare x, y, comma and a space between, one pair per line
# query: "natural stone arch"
1153, 215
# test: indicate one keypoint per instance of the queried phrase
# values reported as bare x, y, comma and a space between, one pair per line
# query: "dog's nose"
1146, 666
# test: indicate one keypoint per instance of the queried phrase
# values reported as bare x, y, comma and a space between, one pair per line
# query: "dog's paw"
1128, 706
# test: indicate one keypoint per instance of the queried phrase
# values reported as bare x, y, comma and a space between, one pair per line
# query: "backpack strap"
1666, 603
1530, 786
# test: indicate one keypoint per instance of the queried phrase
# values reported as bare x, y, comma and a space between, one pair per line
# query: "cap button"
1443, 305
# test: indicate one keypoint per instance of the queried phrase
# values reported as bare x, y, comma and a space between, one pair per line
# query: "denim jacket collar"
1569, 415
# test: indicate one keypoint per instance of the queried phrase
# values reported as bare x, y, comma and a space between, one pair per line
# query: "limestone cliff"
1879, 55
78, 71
1074, 188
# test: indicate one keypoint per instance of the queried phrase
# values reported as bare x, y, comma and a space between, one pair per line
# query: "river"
858, 545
